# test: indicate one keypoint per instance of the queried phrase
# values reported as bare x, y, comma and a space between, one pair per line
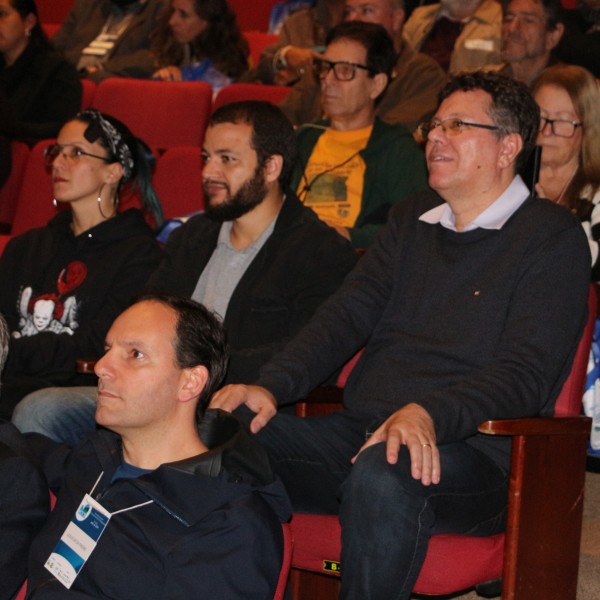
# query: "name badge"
78, 541
480, 44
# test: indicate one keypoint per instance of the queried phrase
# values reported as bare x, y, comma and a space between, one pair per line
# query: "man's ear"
398, 18
273, 167
554, 36
379, 83
30, 22
510, 146
194, 381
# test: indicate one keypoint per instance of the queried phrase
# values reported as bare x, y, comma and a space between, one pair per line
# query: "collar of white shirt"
493, 217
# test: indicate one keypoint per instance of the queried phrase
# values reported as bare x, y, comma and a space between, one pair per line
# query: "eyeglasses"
70, 152
451, 127
343, 71
560, 127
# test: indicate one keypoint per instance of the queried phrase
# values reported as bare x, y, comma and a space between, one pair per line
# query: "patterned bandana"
100, 127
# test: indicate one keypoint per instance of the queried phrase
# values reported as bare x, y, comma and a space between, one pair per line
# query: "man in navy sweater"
469, 307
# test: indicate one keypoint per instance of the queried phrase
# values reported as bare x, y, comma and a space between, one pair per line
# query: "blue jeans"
64, 414
387, 516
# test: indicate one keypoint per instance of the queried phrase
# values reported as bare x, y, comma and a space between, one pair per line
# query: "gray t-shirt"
225, 269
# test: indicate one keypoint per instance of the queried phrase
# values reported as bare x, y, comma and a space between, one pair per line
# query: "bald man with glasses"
352, 166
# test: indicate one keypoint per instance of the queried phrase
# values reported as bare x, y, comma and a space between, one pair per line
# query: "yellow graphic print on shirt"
333, 180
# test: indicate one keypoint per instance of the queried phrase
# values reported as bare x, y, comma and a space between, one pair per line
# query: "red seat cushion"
453, 562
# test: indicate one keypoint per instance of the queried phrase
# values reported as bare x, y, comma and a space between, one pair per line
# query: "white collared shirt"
493, 217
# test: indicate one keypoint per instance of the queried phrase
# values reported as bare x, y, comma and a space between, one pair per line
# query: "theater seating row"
170, 117
250, 15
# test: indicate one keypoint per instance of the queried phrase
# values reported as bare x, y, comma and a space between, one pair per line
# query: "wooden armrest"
538, 426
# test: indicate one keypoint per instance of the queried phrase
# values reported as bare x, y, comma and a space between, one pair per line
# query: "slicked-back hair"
199, 340
512, 107
272, 132
381, 54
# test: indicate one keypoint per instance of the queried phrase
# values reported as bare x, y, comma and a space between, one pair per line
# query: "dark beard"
249, 196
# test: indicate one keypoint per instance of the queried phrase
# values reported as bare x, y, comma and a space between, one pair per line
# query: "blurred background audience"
199, 40
459, 34
302, 35
569, 100
39, 90
411, 95
580, 44
531, 30
103, 38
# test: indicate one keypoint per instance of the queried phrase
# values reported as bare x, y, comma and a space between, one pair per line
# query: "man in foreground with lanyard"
158, 505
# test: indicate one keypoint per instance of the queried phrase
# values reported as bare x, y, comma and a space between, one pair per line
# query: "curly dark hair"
513, 108
221, 40
272, 132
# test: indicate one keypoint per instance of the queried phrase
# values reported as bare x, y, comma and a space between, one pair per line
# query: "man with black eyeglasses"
352, 166
469, 307
415, 82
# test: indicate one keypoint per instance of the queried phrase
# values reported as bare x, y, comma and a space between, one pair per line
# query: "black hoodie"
82, 284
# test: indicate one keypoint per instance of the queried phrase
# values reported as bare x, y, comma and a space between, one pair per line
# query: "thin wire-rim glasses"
71, 152
451, 126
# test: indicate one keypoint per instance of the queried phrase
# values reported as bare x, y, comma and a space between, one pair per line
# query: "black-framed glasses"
560, 127
451, 126
343, 71
70, 152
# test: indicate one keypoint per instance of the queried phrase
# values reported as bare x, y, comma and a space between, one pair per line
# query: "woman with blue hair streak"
62, 285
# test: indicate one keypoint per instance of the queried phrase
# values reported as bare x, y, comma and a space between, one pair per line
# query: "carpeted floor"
588, 587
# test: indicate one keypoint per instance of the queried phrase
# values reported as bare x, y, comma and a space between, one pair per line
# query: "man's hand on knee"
413, 427
256, 398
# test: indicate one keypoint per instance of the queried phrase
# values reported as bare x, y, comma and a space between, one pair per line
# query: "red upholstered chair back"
164, 114
568, 402
34, 206
9, 192
178, 181
258, 41
54, 11
88, 93
237, 92
252, 15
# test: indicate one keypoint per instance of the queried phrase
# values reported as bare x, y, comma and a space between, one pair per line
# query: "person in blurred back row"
569, 100
200, 40
39, 90
106, 38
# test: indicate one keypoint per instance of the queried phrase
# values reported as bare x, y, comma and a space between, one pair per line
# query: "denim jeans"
312, 456
64, 414
387, 516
